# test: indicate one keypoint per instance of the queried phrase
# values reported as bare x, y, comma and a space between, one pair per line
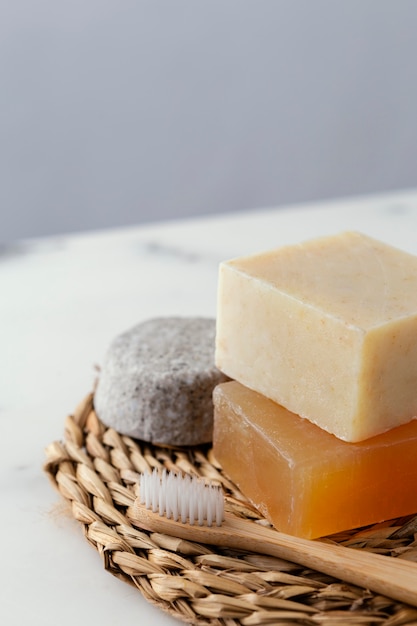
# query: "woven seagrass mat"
96, 470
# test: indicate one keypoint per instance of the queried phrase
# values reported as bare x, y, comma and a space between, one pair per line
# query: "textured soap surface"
305, 481
327, 328
157, 379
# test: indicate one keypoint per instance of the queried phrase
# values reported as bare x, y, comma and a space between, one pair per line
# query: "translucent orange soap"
304, 480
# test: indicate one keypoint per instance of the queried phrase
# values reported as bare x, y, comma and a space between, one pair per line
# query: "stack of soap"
325, 331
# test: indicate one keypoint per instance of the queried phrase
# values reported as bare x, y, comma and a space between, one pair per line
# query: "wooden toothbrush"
393, 577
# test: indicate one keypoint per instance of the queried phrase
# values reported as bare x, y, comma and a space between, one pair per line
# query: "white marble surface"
62, 302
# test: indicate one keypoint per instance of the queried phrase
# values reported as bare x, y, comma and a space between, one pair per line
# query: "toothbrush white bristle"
182, 498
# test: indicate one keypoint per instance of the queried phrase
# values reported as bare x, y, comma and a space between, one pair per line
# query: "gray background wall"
118, 112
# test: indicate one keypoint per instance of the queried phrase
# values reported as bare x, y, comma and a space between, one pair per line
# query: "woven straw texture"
96, 470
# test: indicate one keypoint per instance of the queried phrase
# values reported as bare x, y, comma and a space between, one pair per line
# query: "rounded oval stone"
157, 380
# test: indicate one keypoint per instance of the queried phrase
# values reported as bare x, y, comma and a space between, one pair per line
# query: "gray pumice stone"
157, 379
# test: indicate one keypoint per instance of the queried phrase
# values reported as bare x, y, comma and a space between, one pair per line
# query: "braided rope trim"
96, 471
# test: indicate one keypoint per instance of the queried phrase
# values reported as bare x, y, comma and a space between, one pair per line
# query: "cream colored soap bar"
304, 480
327, 328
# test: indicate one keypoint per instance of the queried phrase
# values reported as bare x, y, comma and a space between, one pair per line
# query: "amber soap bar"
305, 481
327, 328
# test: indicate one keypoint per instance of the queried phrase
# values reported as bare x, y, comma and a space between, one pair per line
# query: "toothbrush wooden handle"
395, 578
392, 577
